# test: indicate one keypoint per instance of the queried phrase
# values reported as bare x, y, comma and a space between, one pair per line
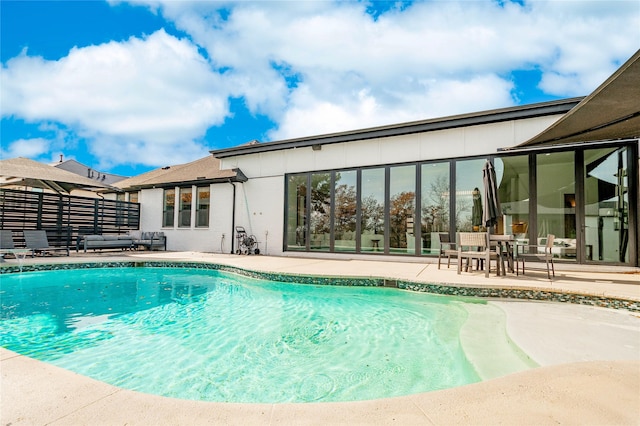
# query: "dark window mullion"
387, 213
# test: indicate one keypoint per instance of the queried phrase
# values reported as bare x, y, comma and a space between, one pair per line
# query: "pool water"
215, 336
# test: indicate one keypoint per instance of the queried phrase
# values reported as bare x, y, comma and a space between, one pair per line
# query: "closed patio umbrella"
491, 209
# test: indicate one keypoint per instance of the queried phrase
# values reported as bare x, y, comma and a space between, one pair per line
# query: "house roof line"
202, 171
238, 177
455, 121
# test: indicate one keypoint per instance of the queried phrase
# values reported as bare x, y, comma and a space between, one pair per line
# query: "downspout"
233, 216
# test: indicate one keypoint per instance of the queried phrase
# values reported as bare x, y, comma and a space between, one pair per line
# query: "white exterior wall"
209, 239
260, 201
259, 209
450, 143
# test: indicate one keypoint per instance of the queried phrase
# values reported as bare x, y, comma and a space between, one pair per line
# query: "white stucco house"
566, 167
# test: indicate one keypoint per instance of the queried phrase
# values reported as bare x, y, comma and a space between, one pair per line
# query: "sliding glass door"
581, 196
606, 205
556, 202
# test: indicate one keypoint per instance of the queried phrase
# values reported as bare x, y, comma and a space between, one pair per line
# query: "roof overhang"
239, 177
611, 112
463, 120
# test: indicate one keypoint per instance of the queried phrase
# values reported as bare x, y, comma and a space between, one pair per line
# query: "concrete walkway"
589, 357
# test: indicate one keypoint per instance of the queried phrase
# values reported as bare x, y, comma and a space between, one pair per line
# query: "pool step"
487, 345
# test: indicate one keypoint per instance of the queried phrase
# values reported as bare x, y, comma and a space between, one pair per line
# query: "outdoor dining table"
504, 245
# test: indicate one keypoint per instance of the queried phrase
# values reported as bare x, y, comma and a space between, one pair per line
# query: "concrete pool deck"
589, 357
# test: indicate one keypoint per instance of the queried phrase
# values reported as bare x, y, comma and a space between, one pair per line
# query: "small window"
184, 215
202, 206
169, 207
133, 197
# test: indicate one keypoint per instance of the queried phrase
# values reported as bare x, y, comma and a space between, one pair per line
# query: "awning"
611, 112
25, 172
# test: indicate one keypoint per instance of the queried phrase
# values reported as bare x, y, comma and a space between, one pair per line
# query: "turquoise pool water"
215, 336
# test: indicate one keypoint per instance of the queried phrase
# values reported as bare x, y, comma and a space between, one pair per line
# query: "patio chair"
539, 252
6, 240
37, 241
7, 244
476, 245
149, 240
447, 248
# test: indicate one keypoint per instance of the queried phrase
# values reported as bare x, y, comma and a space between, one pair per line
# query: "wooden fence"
64, 217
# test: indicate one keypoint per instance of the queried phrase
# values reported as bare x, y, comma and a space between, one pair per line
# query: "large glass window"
203, 202
320, 225
297, 212
556, 207
606, 213
469, 195
184, 215
372, 211
345, 189
402, 208
435, 201
168, 207
512, 175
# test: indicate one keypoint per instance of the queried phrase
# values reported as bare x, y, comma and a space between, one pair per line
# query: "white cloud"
158, 91
362, 109
28, 148
428, 59
151, 100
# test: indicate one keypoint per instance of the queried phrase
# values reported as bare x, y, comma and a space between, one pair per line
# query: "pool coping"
522, 293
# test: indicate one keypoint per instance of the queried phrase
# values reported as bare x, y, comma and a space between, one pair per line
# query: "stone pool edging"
528, 294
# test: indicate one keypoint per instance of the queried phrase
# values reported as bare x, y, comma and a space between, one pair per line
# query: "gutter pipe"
233, 217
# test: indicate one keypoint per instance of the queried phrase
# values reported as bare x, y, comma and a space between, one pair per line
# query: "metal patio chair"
37, 241
539, 252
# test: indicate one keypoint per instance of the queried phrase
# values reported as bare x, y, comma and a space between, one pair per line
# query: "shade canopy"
612, 111
25, 172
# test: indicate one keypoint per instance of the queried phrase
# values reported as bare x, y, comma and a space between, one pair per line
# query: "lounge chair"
39, 243
6, 240
539, 252
6, 243
447, 248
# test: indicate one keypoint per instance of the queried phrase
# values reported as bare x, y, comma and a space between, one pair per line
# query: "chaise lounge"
37, 241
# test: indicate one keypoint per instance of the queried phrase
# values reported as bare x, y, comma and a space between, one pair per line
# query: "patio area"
589, 357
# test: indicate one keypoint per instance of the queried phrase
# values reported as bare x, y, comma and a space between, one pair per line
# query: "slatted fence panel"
64, 217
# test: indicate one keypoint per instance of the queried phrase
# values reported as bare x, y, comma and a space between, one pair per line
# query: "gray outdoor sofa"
100, 242
132, 240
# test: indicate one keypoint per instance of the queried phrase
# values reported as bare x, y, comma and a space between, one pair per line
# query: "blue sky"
126, 87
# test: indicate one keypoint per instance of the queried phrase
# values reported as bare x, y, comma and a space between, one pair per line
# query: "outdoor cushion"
93, 238
110, 237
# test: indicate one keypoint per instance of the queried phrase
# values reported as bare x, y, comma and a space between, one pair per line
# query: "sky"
129, 86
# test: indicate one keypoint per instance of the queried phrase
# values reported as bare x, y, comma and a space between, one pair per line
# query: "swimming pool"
216, 336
